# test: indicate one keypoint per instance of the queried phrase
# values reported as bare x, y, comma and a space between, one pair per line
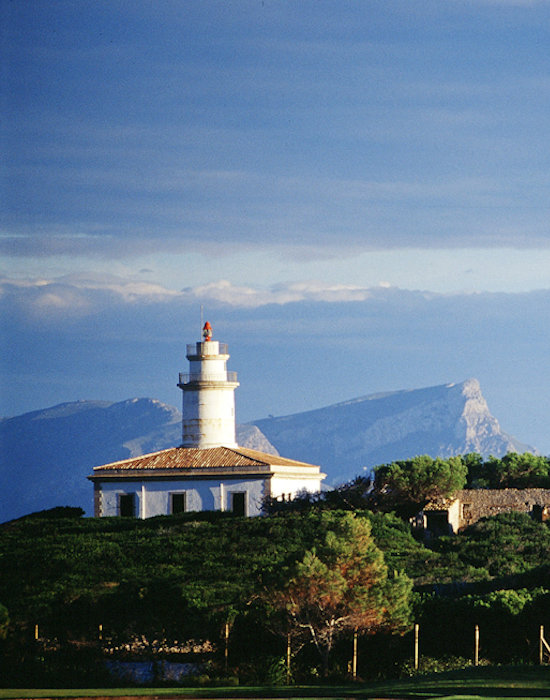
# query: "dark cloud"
130, 131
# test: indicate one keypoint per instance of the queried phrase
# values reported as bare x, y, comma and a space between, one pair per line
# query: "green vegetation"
128, 588
511, 471
4, 621
339, 587
405, 486
509, 544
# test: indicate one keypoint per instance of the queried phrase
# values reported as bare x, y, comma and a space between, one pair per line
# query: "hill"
46, 455
181, 577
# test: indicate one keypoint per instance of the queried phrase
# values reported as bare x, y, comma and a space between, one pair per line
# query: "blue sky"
371, 175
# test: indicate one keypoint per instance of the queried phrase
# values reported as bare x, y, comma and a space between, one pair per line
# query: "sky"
357, 193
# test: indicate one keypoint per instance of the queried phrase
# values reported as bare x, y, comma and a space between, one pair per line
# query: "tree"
353, 495
514, 470
4, 621
518, 471
341, 586
505, 544
407, 486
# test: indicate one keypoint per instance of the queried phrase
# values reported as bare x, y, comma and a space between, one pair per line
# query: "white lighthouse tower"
208, 395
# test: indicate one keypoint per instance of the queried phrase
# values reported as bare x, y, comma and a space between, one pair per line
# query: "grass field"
487, 683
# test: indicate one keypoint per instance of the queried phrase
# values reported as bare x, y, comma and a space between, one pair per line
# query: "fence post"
416, 655
288, 659
354, 660
226, 650
543, 645
476, 646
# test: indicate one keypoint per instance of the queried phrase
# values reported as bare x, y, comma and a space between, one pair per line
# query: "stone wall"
482, 503
470, 505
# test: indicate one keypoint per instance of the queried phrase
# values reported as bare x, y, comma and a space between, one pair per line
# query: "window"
238, 503
177, 502
126, 505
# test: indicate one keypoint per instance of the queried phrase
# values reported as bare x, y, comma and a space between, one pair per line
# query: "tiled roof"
194, 458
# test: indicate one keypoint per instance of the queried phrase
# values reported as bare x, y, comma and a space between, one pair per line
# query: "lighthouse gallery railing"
188, 377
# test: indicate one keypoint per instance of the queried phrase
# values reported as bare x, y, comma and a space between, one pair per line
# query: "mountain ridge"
47, 454
442, 420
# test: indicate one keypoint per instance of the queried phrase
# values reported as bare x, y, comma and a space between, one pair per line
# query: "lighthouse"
209, 470
208, 395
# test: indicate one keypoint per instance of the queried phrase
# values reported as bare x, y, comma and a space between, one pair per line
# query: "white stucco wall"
209, 416
208, 399
206, 359
288, 486
153, 497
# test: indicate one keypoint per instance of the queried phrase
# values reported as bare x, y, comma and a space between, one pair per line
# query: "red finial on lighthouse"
207, 331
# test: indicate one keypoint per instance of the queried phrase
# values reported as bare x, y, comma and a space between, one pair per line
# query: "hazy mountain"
46, 455
350, 437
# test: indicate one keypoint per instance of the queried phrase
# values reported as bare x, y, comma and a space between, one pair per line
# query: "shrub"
429, 664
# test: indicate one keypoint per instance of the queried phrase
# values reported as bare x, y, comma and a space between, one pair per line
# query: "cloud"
75, 296
129, 290
82, 295
382, 128
217, 212
248, 297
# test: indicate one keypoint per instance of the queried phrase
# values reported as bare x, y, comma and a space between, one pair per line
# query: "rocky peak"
354, 436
